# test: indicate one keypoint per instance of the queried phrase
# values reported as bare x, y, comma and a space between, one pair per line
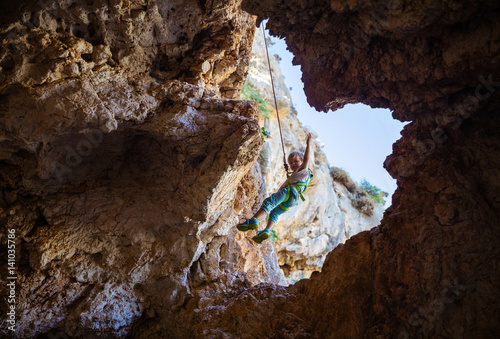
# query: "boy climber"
287, 196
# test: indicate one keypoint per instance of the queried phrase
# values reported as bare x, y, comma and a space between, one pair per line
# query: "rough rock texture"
309, 231
122, 170
91, 223
48, 40
259, 78
431, 269
97, 254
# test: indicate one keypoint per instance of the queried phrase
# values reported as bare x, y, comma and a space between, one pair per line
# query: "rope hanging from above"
274, 95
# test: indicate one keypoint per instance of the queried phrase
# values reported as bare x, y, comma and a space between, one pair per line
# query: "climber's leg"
269, 203
274, 215
274, 200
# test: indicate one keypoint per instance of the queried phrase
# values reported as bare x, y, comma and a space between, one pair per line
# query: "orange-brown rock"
431, 268
48, 40
124, 166
124, 163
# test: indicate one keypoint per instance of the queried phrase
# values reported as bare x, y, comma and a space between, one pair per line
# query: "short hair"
297, 154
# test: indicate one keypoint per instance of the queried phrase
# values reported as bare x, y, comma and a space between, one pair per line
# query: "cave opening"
141, 241
438, 234
357, 138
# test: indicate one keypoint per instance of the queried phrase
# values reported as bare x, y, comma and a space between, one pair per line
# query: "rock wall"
201, 43
431, 269
309, 231
112, 242
124, 164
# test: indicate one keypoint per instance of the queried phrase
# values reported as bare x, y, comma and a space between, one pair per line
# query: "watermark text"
11, 279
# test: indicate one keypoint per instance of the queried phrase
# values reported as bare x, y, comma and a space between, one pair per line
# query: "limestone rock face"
111, 241
431, 269
100, 224
259, 77
49, 40
309, 231
122, 169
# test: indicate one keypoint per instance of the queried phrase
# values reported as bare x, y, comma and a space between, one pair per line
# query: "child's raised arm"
306, 154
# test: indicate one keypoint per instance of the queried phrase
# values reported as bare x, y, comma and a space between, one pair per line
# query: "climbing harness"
275, 102
297, 186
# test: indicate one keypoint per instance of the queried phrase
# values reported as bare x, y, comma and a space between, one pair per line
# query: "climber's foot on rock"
261, 236
248, 224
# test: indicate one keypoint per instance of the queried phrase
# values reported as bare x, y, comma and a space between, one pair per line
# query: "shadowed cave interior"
126, 158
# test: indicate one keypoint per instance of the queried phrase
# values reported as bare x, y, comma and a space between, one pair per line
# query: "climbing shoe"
261, 236
249, 224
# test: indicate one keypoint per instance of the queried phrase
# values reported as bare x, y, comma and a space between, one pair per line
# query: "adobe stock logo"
452, 118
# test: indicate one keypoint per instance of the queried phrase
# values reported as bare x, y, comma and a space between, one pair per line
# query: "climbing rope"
275, 102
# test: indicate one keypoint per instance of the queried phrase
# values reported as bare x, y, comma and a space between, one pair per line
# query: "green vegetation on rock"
274, 235
373, 191
250, 93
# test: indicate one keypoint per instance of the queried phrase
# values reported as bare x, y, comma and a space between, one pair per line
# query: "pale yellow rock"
327, 218
101, 54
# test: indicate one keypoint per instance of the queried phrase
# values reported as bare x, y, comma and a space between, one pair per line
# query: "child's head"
295, 159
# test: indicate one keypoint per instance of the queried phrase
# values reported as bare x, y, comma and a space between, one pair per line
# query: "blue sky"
356, 138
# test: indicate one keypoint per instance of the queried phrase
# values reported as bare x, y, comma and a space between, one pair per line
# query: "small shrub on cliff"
375, 193
265, 133
363, 203
341, 176
361, 198
250, 93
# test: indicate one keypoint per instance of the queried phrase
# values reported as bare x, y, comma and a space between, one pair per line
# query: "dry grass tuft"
341, 176
360, 198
